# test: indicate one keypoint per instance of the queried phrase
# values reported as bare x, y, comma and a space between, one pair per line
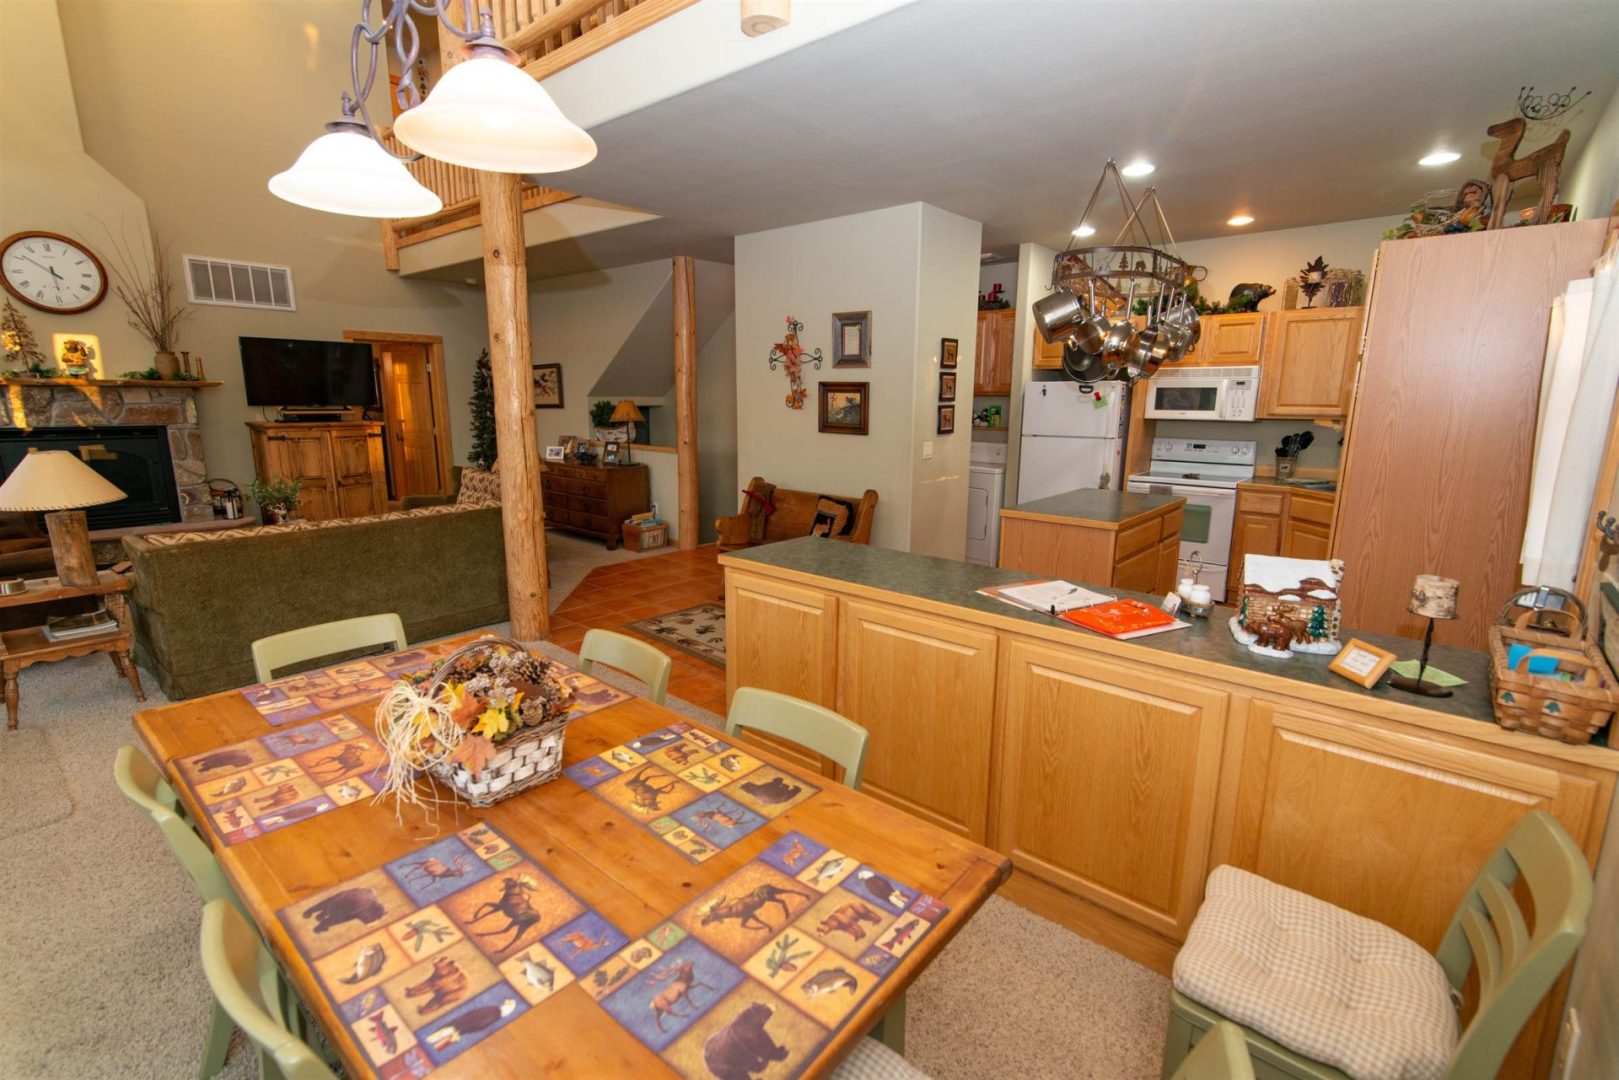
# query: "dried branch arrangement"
148, 292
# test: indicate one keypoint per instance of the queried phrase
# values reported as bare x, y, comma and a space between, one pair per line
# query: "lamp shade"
625, 412
346, 172
488, 113
1434, 597
55, 480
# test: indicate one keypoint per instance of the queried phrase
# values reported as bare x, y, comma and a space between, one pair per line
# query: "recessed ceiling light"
1138, 168
1241, 219
1085, 230
1439, 157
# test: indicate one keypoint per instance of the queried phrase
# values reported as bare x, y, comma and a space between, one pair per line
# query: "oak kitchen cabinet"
1309, 362
340, 465
1118, 539
1047, 354
1229, 339
782, 612
992, 359
1280, 519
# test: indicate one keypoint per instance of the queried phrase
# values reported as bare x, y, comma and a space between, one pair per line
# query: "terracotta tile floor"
611, 596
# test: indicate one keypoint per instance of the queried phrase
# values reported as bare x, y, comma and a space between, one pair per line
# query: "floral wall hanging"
789, 353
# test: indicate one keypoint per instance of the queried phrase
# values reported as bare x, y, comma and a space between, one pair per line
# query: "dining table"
626, 874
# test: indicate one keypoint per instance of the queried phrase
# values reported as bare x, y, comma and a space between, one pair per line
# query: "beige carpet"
571, 557
98, 935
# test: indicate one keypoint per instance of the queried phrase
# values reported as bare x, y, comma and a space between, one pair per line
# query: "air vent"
235, 284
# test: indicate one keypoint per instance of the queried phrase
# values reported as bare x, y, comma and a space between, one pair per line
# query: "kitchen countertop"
956, 583
1324, 486
1090, 506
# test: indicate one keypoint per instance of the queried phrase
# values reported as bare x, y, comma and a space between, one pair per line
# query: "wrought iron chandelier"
1097, 290
485, 113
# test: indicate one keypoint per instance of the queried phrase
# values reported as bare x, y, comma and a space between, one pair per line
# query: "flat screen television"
290, 372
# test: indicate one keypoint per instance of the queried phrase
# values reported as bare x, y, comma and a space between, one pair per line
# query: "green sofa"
199, 604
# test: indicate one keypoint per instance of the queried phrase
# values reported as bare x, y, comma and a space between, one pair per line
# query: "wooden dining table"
623, 871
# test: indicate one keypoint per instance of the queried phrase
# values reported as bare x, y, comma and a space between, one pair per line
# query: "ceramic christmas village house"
1288, 605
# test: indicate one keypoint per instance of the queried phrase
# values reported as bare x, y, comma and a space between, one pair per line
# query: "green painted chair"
1516, 967
245, 981
810, 726
271, 654
1222, 1054
625, 653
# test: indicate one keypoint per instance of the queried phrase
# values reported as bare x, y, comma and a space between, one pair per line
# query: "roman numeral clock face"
51, 272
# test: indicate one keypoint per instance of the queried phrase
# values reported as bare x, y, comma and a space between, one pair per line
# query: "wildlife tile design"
695, 792
749, 980
310, 694
432, 953
260, 785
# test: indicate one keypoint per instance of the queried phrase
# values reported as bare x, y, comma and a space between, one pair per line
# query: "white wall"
882, 261
1033, 282
1003, 272
1592, 184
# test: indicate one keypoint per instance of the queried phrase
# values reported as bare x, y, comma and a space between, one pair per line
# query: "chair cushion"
871, 1060
832, 517
1321, 981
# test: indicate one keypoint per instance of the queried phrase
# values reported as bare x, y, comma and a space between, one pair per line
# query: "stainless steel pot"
1057, 315
1082, 366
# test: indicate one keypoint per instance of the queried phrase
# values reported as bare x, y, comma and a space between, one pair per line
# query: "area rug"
698, 631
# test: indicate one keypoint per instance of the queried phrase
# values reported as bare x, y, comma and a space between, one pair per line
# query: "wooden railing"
548, 35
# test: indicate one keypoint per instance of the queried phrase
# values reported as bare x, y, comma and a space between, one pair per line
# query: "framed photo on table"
851, 339
1361, 663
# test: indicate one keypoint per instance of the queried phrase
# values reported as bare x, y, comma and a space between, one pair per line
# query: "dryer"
986, 486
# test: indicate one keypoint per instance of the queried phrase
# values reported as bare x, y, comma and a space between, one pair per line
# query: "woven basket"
1568, 709
527, 759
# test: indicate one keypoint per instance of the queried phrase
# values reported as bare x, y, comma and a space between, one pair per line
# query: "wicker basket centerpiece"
1570, 694
487, 722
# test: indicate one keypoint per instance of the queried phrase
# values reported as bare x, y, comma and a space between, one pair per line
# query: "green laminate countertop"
1092, 506
956, 583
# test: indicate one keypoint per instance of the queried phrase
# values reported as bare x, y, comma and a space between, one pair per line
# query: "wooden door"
410, 416
761, 615
924, 688
357, 469
1100, 763
992, 361
1436, 470
303, 456
1229, 339
1309, 367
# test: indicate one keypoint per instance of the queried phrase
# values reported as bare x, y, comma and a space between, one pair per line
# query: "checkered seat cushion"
871, 1060
1325, 983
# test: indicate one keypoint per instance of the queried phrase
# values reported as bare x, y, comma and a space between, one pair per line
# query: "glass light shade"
487, 113
55, 480
346, 172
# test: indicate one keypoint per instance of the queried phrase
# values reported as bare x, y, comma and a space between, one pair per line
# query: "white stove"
1205, 472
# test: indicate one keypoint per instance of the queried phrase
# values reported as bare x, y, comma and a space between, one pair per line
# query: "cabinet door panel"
1305, 540
1310, 363
1252, 534
1229, 339
1138, 572
765, 614
351, 456
924, 688
1102, 765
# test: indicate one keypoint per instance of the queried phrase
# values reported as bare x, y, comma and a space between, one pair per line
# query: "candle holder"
1435, 598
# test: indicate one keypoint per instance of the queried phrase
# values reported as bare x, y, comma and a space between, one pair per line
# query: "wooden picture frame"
949, 349
947, 386
610, 453
1360, 663
547, 385
851, 339
844, 408
947, 420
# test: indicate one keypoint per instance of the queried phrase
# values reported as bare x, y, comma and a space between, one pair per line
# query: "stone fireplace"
51, 405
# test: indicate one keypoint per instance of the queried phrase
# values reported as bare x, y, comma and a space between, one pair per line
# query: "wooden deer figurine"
1507, 169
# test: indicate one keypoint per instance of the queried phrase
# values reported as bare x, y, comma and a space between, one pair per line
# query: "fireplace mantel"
184, 384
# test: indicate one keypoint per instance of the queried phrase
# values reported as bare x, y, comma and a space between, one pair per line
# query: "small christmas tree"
22, 351
482, 454
1318, 623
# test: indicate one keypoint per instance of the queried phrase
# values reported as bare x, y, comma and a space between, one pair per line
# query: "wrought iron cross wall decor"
789, 353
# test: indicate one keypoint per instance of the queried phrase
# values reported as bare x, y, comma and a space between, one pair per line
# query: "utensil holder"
1285, 467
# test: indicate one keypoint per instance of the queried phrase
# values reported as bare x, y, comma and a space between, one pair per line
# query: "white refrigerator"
1072, 438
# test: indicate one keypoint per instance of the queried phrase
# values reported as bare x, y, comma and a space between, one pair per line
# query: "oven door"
1207, 521
1186, 399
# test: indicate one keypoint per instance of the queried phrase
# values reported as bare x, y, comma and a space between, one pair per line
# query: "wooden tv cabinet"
340, 464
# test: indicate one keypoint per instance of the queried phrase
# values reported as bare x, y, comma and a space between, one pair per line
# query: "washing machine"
986, 484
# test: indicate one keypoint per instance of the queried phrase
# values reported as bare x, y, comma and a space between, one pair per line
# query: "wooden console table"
29, 645
595, 499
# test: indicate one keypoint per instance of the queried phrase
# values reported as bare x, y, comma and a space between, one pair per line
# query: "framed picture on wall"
547, 386
947, 386
851, 339
845, 408
948, 348
947, 419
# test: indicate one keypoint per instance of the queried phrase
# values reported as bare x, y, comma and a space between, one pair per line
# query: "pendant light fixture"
485, 113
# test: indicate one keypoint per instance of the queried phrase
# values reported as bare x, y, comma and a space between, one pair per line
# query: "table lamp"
58, 481
627, 414
1432, 597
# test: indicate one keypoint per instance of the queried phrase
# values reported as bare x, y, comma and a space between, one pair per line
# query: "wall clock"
48, 271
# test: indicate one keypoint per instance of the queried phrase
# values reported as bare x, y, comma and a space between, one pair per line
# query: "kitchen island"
1116, 775
1123, 539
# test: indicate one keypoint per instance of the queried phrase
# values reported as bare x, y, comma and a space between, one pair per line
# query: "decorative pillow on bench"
833, 517
479, 487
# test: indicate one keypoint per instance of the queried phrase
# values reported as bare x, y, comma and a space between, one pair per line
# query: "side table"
29, 645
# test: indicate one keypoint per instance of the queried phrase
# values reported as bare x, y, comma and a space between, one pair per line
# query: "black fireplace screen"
134, 458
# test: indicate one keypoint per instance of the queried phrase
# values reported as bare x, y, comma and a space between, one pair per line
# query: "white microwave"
1203, 393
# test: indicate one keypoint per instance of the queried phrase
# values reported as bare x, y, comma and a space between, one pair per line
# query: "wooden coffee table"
29, 645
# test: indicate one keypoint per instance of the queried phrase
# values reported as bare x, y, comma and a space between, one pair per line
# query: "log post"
686, 400
505, 271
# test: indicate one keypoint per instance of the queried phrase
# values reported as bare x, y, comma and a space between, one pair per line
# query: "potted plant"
147, 292
601, 418
277, 499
